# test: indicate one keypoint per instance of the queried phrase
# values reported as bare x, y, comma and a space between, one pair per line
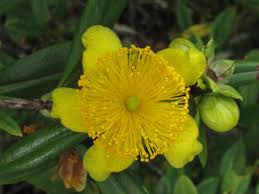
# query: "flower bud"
182, 44
219, 113
186, 59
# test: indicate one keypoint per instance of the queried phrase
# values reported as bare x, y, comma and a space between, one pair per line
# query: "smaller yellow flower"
132, 102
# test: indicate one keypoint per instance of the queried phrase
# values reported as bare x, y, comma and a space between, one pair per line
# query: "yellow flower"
133, 104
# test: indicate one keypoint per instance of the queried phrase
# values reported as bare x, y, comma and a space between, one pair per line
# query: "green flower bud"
219, 113
182, 44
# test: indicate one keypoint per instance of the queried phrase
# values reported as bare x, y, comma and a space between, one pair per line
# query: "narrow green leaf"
222, 26
208, 186
257, 188
34, 161
95, 12
9, 125
44, 62
163, 186
243, 184
32, 143
246, 66
5, 89
240, 79
203, 139
40, 11
229, 181
228, 91
209, 50
129, 183
234, 158
184, 185
5, 60
111, 185
183, 14
121, 183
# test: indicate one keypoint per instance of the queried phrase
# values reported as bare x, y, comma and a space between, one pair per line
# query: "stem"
36, 104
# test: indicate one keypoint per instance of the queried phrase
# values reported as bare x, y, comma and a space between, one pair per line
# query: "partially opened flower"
132, 102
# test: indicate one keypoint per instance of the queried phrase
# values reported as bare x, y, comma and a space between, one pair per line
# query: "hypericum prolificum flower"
132, 102
71, 171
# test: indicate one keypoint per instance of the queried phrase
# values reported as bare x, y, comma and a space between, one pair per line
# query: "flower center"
132, 103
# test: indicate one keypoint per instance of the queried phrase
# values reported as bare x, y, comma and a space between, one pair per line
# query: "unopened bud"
219, 113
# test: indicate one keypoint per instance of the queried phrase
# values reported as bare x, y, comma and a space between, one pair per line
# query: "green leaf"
9, 125
223, 68
35, 156
228, 91
222, 89
209, 50
43, 70
120, 183
105, 12
233, 183
44, 62
257, 188
222, 26
208, 186
246, 66
243, 184
111, 185
8, 88
240, 79
183, 14
203, 139
234, 158
163, 186
212, 85
5, 60
40, 12
229, 182
184, 185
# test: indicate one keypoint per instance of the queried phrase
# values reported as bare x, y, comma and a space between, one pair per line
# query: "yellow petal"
117, 165
184, 149
66, 108
98, 40
100, 166
95, 163
189, 64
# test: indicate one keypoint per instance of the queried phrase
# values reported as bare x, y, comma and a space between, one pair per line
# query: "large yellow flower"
132, 102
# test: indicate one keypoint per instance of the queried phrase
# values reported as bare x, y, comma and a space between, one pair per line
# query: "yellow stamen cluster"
133, 103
